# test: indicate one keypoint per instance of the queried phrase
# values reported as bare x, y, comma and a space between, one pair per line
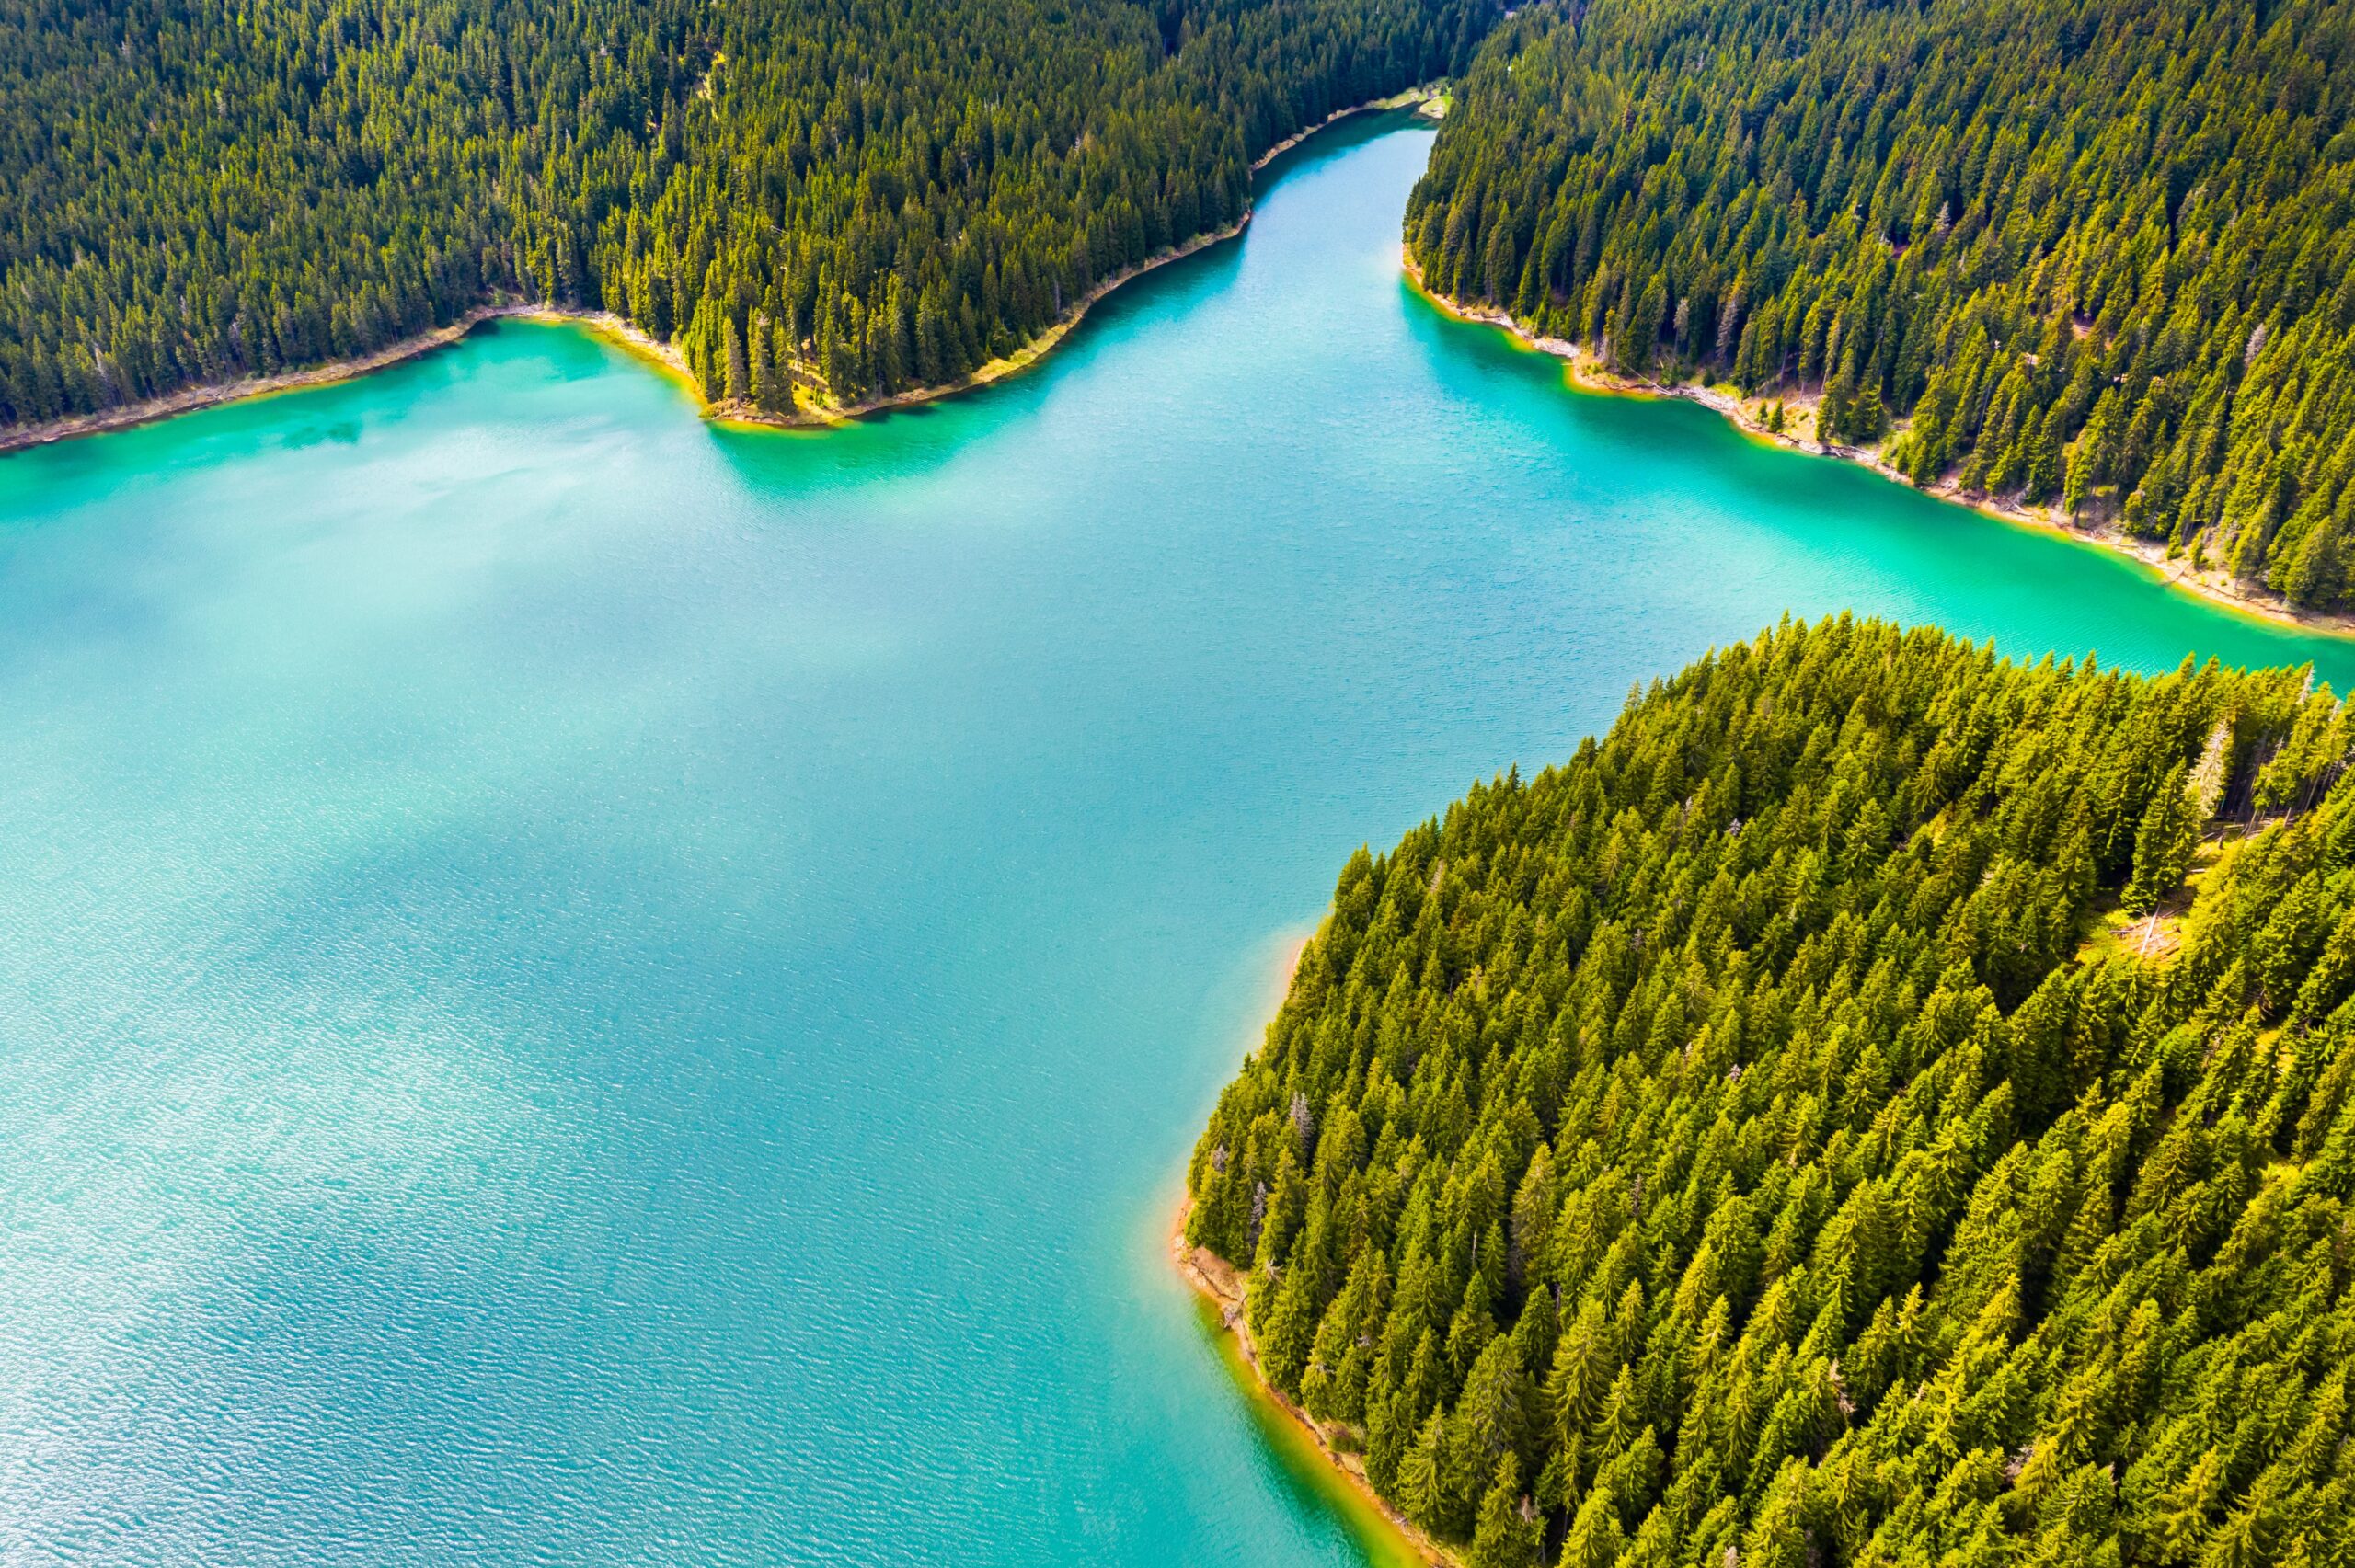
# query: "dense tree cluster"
1720, 1150
855, 195
2101, 252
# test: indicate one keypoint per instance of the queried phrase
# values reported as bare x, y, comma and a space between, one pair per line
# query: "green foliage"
2164, 843
1507, 1535
1717, 1150
2099, 251
853, 196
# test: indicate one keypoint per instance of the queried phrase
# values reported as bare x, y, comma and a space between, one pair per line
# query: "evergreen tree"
2120, 228
2164, 843
1765, 1169
738, 385
1504, 1538
205, 191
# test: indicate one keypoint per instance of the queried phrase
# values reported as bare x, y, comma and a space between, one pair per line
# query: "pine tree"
2043, 465
1494, 1406
1866, 417
1831, 415
335, 188
2095, 252
763, 374
2164, 843
739, 384
1423, 1480
1595, 1539
1504, 1536
1290, 1329
1744, 1074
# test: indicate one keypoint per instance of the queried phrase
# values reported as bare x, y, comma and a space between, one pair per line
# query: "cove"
577, 987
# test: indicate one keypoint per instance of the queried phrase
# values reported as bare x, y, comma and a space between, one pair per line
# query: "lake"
579, 988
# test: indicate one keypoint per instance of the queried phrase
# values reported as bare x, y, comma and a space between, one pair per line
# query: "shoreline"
821, 418
997, 370
1418, 94
661, 356
1586, 374
1219, 1290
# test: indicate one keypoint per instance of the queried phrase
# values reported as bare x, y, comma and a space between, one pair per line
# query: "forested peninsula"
1881, 1104
2094, 258
824, 204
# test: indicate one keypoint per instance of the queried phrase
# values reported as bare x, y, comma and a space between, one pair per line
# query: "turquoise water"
577, 988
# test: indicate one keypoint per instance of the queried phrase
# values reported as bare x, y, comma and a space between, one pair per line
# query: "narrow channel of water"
577, 988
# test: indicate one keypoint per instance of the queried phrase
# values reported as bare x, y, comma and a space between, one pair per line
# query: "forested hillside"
1718, 1151
863, 195
2100, 253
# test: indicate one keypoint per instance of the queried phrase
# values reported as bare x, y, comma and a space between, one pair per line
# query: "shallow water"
577, 988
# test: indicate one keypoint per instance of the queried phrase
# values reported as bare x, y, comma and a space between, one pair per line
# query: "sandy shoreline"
663, 356
213, 394
1218, 1286
1022, 358
1217, 1283
1587, 373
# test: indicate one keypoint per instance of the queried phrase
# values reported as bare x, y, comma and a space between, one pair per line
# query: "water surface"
577, 988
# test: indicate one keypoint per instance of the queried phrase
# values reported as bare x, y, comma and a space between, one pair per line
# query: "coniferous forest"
1764, 1141
858, 196
2099, 254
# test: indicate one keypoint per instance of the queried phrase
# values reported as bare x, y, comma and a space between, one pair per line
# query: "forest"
852, 197
2097, 255
1880, 1104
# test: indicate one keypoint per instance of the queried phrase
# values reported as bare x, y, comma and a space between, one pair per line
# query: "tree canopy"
2099, 252
1725, 1148
857, 195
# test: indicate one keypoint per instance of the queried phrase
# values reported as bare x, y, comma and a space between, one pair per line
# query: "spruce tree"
248, 191
1735, 1132
1503, 1537
2164, 843
737, 386
2121, 229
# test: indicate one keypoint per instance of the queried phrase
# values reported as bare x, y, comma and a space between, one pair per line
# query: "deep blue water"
577, 988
